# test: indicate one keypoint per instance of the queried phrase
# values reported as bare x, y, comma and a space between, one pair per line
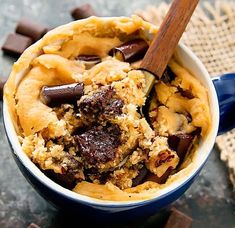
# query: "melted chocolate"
101, 105
139, 179
186, 93
99, 144
180, 143
168, 75
159, 180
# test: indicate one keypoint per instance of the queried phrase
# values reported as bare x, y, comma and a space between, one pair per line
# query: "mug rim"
168, 190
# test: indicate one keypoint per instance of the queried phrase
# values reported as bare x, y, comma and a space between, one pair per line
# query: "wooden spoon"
164, 44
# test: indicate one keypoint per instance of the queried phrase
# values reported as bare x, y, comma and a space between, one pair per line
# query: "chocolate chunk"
168, 75
66, 180
89, 60
180, 143
15, 44
186, 93
69, 176
130, 51
31, 29
159, 180
2, 83
103, 105
61, 94
140, 177
82, 12
99, 144
178, 219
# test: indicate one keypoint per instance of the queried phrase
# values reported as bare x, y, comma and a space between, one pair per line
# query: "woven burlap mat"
211, 35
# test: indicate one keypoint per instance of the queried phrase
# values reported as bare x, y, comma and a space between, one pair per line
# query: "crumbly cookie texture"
102, 146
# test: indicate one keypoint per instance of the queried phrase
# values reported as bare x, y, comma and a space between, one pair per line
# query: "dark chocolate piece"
186, 93
31, 29
168, 75
82, 12
68, 177
130, 51
89, 60
61, 94
178, 219
66, 180
180, 143
15, 44
159, 180
99, 144
104, 104
2, 83
140, 177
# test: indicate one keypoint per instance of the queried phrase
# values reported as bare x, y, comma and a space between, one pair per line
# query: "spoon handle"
168, 36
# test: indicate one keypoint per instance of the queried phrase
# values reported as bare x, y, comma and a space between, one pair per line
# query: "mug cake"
75, 99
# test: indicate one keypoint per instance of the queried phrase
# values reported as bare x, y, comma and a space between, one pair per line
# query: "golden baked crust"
51, 61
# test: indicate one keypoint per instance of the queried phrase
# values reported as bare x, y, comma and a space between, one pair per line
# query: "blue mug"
220, 94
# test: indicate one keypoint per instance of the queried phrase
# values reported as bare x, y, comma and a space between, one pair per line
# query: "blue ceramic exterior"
224, 87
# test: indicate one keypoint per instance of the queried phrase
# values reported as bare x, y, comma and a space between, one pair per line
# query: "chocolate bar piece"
140, 177
15, 44
186, 93
82, 12
89, 60
101, 105
99, 144
61, 94
168, 75
2, 83
130, 51
180, 143
159, 180
178, 219
31, 29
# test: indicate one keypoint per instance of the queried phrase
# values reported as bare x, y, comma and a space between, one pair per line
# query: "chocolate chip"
62, 94
2, 83
168, 75
69, 176
89, 60
159, 180
178, 219
82, 12
31, 29
180, 143
99, 144
15, 44
140, 177
66, 180
186, 93
130, 51
101, 105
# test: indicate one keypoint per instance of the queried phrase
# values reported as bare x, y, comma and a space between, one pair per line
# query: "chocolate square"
31, 29
15, 44
82, 12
